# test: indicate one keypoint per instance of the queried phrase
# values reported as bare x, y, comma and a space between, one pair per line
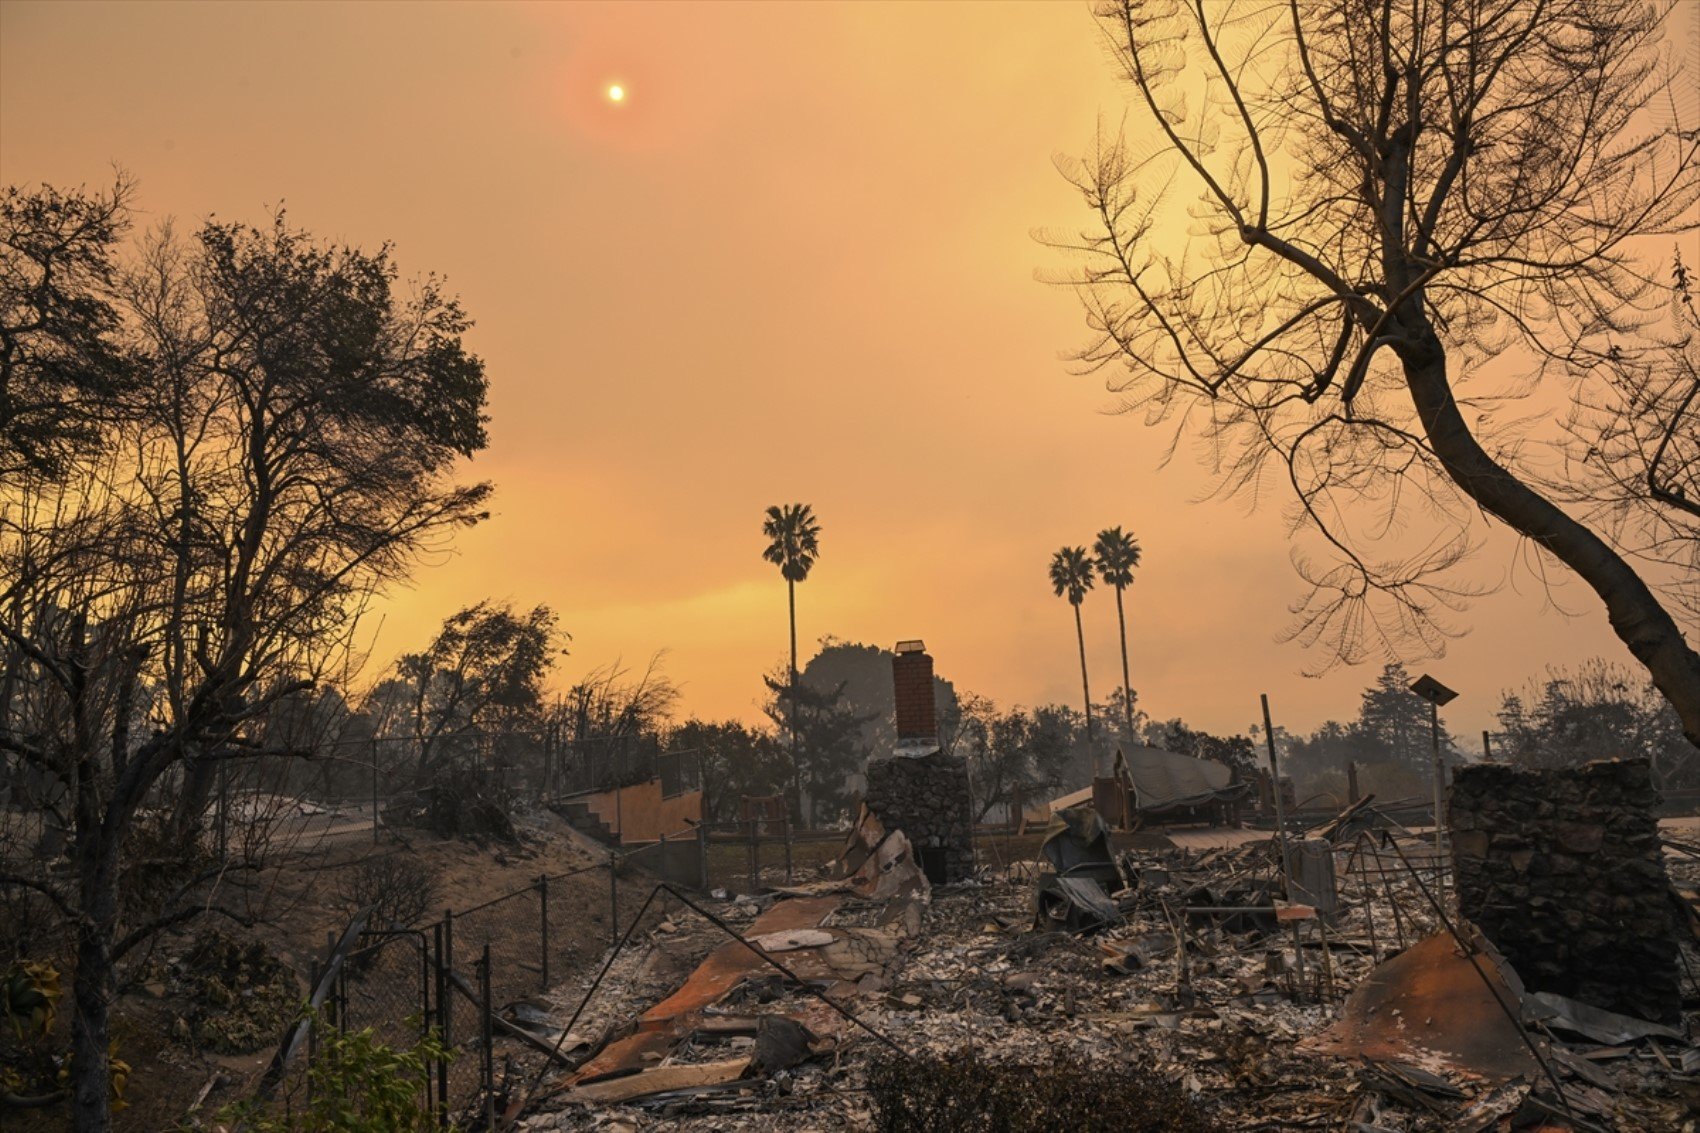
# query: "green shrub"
357, 1084
240, 995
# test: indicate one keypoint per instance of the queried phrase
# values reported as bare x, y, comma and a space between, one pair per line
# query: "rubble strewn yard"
1206, 977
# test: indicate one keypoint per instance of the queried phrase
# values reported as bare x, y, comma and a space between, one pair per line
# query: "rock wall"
1562, 871
927, 798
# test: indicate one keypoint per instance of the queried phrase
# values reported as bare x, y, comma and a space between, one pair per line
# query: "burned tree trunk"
1637, 617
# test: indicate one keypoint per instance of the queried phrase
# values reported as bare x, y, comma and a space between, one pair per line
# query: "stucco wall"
640, 814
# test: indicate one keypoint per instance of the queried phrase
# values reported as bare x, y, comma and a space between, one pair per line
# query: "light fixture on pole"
1436, 694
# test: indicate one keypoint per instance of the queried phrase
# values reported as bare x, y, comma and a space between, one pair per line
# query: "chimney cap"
914, 646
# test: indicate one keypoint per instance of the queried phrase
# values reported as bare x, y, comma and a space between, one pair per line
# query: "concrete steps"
583, 820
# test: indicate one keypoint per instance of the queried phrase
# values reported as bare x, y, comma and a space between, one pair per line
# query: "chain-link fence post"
487, 1040
788, 849
543, 922
312, 1026
755, 859
425, 1010
613, 899
448, 956
340, 995
439, 948
702, 853
223, 808
374, 790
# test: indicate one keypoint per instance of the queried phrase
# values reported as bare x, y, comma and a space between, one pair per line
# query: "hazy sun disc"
616, 93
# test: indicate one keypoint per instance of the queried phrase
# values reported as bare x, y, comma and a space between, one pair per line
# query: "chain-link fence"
469, 973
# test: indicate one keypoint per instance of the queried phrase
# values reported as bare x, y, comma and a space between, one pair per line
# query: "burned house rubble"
1368, 986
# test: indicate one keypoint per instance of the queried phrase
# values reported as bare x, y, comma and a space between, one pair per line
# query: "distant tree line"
1570, 716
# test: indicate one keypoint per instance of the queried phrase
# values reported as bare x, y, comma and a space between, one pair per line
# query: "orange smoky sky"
794, 263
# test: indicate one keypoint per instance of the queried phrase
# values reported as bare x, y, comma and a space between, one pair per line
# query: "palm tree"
1071, 577
1117, 555
793, 544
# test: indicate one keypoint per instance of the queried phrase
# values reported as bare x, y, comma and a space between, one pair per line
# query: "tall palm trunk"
1127, 687
1080, 636
791, 716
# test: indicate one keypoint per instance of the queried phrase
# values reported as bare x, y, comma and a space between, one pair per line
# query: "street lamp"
1436, 694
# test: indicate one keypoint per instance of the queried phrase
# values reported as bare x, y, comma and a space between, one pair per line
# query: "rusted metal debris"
1596, 1023
732, 963
1429, 1007
844, 960
662, 1079
877, 864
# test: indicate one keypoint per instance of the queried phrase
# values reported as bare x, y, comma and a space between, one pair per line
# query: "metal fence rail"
461, 973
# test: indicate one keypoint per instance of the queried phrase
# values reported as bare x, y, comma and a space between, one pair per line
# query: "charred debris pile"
1346, 991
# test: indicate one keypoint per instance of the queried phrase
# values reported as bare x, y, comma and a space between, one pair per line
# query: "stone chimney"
912, 678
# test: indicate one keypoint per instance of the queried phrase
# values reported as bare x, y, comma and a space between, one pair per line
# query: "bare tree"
286, 449
610, 719
1632, 460
1416, 229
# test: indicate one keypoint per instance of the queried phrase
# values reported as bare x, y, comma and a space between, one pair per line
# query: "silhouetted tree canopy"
1595, 711
62, 366
255, 432
864, 672
736, 761
828, 751
481, 676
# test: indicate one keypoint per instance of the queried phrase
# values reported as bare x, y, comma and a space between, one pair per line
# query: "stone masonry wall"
926, 798
1561, 870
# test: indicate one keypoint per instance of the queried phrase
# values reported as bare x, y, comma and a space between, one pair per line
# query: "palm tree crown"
1071, 578
794, 544
1071, 574
795, 540
1117, 553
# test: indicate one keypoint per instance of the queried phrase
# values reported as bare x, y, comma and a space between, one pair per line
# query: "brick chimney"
912, 678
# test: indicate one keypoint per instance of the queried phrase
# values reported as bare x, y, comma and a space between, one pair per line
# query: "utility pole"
1275, 771
1439, 772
